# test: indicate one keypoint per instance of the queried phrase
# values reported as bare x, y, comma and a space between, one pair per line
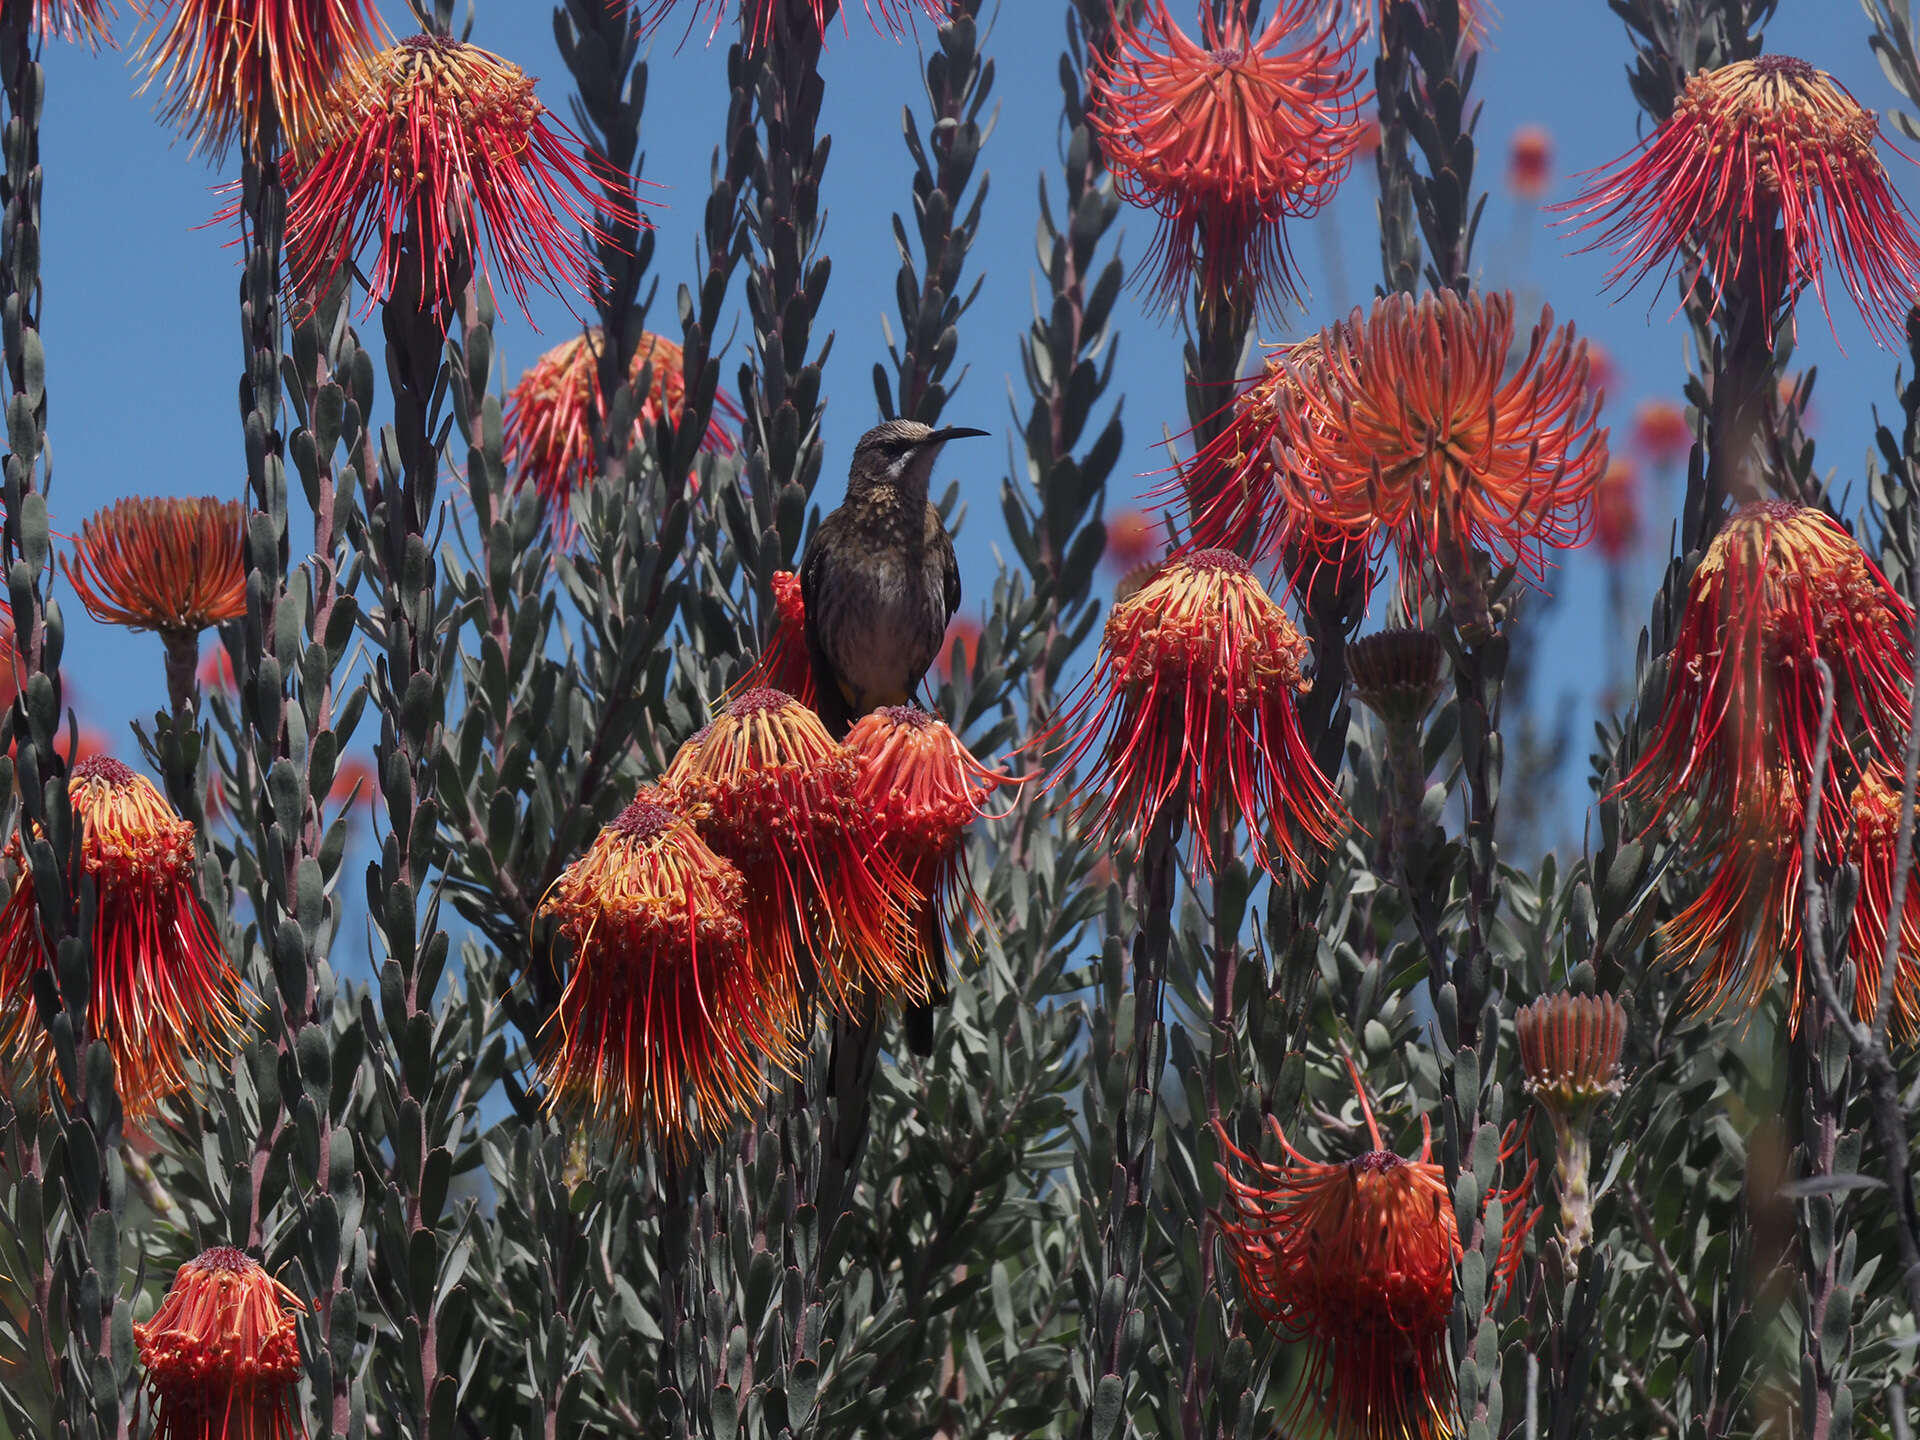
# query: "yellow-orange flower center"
1204, 618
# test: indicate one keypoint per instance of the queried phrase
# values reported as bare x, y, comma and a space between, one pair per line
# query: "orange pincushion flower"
222, 1358
172, 565
1766, 168
1355, 1258
1530, 162
1661, 431
1194, 695
553, 412
1616, 512
422, 147
922, 787
771, 791
228, 65
1780, 587
1133, 539
667, 1012
757, 16
163, 990
1570, 1049
1411, 424
785, 664
1226, 139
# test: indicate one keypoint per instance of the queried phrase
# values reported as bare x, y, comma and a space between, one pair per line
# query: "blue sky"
141, 306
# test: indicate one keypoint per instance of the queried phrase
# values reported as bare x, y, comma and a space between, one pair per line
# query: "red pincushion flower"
1355, 1258
421, 149
668, 1015
172, 565
227, 66
1661, 431
922, 787
164, 993
1193, 695
222, 1358
1530, 162
770, 790
1779, 587
554, 410
1616, 512
785, 664
1766, 168
1133, 540
1412, 423
1226, 139
86, 20
757, 16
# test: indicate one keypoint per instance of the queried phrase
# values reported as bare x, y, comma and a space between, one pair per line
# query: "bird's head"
900, 453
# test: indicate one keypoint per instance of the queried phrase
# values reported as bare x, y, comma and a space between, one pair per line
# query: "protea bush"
510, 981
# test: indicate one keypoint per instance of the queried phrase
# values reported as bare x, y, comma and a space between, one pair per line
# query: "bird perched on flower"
1765, 170
426, 147
1226, 138
222, 1356
1355, 1258
164, 993
879, 580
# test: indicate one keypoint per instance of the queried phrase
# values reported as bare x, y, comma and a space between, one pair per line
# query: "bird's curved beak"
956, 432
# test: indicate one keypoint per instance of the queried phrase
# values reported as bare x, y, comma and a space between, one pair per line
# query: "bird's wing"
948, 562
830, 702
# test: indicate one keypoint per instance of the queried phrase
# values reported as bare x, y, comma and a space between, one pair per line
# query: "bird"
879, 583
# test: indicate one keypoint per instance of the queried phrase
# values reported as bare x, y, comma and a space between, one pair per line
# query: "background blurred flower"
226, 67
1530, 162
1616, 512
1662, 432
222, 1356
1766, 168
423, 148
1225, 139
1133, 538
164, 993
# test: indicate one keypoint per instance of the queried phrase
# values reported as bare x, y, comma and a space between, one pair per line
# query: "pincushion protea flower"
770, 790
1661, 431
668, 1013
227, 67
757, 16
1616, 512
222, 1358
163, 992
1779, 587
1570, 1054
1355, 1258
1193, 695
553, 412
1529, 162
172, 565
86, 20
922, 787
423, 147
785, 663
1226, 138
1411, 423
1765, 169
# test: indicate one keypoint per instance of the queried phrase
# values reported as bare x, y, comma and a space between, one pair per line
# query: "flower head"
668, 1013
420, 148
757, 16
163, 991
228, 67
1355, 1258
1398, 673
554, 410
770, 790
1661, 431
1570, 1049
923, 788
1780, 587
1765, 170
172, 565
1133, 539
1194, 695
86, 20
785, 664
1226, 138
1529, 162
1412, 425
222, 1358
1616, 512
